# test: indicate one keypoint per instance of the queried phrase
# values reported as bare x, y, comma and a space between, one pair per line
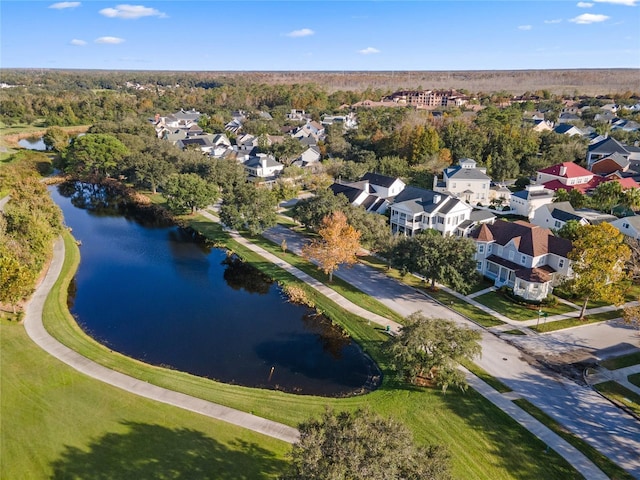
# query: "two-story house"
416, 209
607, 147
527, 201
556, 215
262, 166
374, 192
465, 181
523, 256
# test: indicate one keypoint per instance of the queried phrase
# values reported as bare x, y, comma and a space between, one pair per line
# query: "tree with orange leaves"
338, 244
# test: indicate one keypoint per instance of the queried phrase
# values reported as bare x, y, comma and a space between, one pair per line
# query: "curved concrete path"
36, 331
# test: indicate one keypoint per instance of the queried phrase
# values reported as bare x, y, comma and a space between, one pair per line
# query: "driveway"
579, 408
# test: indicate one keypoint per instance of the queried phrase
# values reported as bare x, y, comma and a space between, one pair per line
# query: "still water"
32, 143
155, 294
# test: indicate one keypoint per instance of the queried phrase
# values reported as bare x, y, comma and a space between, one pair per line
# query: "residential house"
568, 176
567, 129
609, 146
374, 192
556, 215
527, 201
568, 118
499, 193
542, 125
630, 226
526, 257
310, 157
416, 209
613, 163
262, 166
202, 142
347, 121
465, 181
298, 115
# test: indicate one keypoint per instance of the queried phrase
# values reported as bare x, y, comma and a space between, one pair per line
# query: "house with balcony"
527, 258
415, 209
465, 181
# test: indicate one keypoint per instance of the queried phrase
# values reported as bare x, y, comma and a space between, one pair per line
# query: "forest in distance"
590, 82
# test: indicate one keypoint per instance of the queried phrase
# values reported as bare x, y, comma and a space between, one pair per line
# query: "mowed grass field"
58, 423
59, 418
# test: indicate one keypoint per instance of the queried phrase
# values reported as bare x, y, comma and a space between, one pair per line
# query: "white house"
416, 209
373, 191
262, 166
630, 226
527, 201
523, 256
556, 215
465, 181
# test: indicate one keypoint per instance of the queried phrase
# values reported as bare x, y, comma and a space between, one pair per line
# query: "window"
523, 259
489, 248
557, 224
561, 263
625, 225
441, 220
479, 266
512, 255
480, 248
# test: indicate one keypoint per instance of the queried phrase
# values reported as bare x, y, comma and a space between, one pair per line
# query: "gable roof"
608, 145
530, 239
377, 179
460, 173
419, 200
573, 170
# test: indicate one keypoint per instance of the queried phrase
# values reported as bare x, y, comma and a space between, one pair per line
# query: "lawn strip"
620, 395
612, 470
622, 361
499, 303
483, 441
575, 322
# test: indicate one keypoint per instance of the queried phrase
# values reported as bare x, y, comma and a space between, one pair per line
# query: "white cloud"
303, 32
525, 27
78, 43
368, 51
555, 20
62, 5
584, 5
131, 12
109, 40
628, 3
587, 18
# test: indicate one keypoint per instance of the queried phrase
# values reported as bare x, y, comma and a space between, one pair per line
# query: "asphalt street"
583, 411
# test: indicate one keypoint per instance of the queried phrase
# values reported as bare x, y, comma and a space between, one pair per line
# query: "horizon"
326, 36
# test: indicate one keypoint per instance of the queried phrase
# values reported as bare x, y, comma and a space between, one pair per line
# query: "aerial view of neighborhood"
359, 240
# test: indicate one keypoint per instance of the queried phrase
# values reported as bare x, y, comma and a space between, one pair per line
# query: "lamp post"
539, 313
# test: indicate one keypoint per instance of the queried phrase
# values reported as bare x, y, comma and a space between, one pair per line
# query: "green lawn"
601, 461
622, 361
506, 307
635, 379
515, 331
620, 394
487, 377
58, 423
483, 441
575, 322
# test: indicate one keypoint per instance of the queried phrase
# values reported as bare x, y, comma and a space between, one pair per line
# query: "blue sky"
320, 35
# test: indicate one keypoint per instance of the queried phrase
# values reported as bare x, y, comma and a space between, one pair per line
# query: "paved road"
580, 409
36, 331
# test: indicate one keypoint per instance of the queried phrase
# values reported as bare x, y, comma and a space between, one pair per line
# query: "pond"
156, 294
32, 143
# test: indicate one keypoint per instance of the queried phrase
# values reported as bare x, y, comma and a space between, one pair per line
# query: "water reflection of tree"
240, 275
332, 338
105, 201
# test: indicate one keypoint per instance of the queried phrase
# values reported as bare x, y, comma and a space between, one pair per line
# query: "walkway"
620, 376
581, 410
36, 331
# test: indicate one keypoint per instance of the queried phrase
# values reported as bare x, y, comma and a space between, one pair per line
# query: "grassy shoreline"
501, 448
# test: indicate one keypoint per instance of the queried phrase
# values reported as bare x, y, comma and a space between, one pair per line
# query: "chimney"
563, 170
436, 198
435, 181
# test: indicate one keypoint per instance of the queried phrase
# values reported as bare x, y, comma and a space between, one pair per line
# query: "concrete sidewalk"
36, 331
619, 376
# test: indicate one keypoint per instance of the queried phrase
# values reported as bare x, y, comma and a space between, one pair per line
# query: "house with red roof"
571, 176
526, 257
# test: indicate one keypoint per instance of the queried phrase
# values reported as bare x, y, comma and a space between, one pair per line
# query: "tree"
631, 316
338, 244
56, 139
362, 446
607, 195
598, 254
94, 154
631, 198
311, 211
148, 170
443, 259
248, 207
187, 191
15, 277
430, 349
